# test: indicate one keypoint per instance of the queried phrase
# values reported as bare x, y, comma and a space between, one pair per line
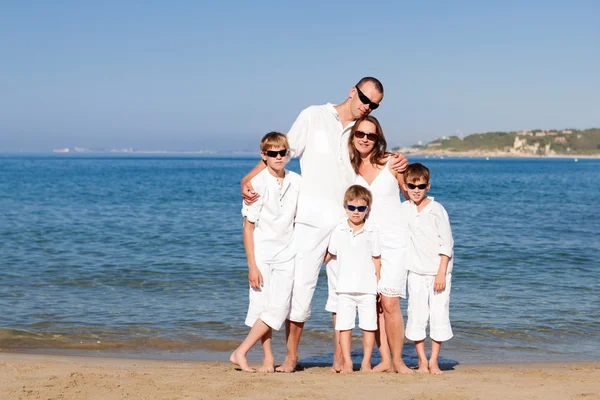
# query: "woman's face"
365, 144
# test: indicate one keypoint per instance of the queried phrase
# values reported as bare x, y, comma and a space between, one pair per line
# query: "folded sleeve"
298, 134
252, 211
333, 243
446, 242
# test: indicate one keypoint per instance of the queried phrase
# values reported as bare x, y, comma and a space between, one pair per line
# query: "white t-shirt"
273, 215
355, 252
430, 237
321, 142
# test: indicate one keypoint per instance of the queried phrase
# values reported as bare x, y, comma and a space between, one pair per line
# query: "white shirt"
430, 237
273, 215
321, 142
355, 252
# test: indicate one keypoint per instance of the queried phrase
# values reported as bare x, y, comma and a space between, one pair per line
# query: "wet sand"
26, 376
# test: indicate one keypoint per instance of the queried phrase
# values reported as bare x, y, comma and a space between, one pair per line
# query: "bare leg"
423, 365
434, 368
382, 344
337, 355
394, 328
368, 344
293, 334
268, 360
238, 357
346, 344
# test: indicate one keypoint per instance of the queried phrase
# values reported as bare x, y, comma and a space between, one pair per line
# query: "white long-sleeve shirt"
430, 237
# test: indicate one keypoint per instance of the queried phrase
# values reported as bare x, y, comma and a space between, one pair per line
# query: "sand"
25, 376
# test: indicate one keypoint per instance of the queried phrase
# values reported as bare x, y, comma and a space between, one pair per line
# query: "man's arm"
248, 193
254, 276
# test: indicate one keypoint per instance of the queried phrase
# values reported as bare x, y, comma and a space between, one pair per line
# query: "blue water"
143, 256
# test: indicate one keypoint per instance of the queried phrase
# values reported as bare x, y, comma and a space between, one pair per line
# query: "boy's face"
276, 158
417, 191
355, 215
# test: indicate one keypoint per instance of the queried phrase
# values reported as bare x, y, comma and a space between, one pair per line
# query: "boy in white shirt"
430, 262
268, 234
356, 246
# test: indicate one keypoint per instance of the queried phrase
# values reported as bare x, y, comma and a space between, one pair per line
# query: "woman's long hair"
379, 151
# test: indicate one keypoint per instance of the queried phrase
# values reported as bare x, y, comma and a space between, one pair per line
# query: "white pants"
272, 303
425, 305
311, 245
366, 303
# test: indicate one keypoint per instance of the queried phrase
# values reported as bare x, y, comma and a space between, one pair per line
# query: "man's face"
369, 94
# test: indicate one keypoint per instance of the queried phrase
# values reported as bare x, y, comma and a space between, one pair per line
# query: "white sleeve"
252, 211
333, 246
375, 244
444, 233
298, 134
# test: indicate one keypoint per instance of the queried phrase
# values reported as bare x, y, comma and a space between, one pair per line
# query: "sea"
142, 256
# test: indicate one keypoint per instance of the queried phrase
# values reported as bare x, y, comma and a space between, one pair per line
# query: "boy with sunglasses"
430, 261
268, 233
355, 244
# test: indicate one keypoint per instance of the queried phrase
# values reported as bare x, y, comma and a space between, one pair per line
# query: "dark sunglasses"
350, 207
275, 153
371, 136
365, 100
422, 186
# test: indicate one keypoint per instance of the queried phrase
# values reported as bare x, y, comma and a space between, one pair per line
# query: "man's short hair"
357, 192
274, 140
415, 172
369, 79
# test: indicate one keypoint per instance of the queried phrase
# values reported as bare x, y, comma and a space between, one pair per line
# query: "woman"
370, 160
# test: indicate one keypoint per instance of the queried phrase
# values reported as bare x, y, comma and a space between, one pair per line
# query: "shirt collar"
367, 227
426, 207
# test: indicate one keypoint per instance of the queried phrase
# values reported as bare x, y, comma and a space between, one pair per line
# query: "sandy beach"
25, 376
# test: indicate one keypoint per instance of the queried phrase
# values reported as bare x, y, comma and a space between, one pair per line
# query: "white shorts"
393, 272
272, 303
425, 305
311, 245
346, 311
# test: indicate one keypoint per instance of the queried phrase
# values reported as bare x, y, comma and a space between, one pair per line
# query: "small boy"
430, 262
268, 233
356, 245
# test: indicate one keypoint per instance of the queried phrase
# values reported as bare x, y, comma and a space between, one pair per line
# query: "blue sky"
189, 75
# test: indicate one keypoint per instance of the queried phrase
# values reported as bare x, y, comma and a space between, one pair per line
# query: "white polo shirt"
430, 237
273, 215
321, 142
355, 252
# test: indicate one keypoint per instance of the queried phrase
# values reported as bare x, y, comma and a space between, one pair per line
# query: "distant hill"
569, 142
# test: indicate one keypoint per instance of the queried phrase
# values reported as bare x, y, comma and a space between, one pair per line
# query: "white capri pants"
311, 245
425, 305
272, 303
366, 303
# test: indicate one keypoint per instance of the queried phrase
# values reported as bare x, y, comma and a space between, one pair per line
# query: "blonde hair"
274, 140
357, 192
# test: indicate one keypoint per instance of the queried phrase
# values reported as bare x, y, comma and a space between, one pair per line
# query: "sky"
192, 75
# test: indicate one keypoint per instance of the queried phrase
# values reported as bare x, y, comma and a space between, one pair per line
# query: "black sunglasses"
275, 153
371, 136
350, 207
422, 186
365, 100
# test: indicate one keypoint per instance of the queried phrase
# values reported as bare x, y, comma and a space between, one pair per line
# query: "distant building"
65, 150
567, 132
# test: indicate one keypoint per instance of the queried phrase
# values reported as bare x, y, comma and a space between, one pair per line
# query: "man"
320, 138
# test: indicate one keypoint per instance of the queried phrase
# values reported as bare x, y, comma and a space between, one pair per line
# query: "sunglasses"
275, 153
371, 136
350, 207
365, 100
422, 186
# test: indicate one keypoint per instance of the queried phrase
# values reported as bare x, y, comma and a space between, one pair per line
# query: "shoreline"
27, 376
478, 154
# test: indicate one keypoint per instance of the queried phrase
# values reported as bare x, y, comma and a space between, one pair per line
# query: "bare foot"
434, 369
383, 367
366, 367
241, 362
347, 367
289, 365
338, 362
423, 367
267, 366
401, 368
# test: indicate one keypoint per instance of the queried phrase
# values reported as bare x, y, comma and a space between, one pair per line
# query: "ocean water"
143, 256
